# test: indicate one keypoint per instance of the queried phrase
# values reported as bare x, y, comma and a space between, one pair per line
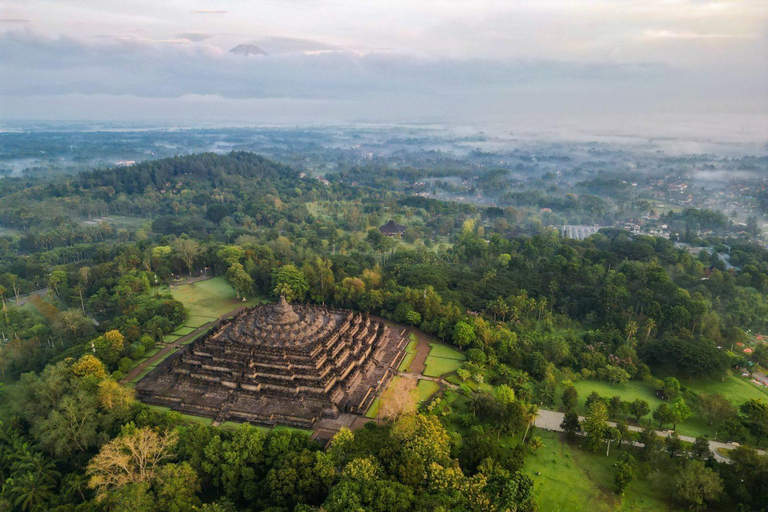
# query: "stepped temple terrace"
279, 364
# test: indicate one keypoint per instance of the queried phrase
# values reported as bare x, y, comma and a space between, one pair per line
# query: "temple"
279, 364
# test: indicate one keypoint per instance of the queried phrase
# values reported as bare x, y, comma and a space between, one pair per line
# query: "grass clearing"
439, 366
373, 410
444, 351
411, 347
407, 360
209, 299
187, 417
573, 480
425, 389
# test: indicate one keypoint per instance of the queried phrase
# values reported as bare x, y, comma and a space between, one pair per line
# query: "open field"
209, 299
442, 359
573, 480
736, 389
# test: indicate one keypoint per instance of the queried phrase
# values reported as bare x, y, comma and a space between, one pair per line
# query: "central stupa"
279, 364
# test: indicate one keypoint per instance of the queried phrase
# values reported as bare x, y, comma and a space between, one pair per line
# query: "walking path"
163, 352
550, 420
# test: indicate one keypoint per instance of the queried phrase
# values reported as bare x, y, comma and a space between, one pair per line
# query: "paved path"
550, 420
136, 371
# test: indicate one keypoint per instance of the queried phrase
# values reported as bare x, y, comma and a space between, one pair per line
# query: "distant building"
392, 229
578, 232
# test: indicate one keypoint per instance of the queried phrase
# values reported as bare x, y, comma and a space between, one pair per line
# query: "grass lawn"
407, 360
438, 366
573, 480
736, 389
632, 391
425, 389
444, 351
442, 359
184, 330
373, 410
210, 299
411, 347
188, 417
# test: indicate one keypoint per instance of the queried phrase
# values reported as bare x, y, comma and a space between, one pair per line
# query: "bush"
125, 364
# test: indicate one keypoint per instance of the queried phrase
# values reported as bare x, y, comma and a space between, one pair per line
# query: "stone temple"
279, 364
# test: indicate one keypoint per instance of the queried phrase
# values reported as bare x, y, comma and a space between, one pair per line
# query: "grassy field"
425, 389
442, 359
573, 480
737, 389
208, 300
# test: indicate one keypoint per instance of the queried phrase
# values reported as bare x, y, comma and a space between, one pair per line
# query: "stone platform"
279, 364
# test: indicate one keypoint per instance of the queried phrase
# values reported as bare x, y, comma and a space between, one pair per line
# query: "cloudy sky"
666, 67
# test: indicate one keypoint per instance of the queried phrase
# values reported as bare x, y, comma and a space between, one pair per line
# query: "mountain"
247, 50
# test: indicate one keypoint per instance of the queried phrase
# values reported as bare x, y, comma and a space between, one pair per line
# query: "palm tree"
650, 325
28, 491
531, 413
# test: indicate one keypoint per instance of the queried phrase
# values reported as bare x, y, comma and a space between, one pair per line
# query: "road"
550, 420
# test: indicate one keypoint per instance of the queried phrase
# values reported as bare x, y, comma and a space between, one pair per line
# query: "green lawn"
442, 359
209, 299
439, 366
188, 417
411, 347
573, 480
407, 360
425, 389
373, 410
444, 351
737, 389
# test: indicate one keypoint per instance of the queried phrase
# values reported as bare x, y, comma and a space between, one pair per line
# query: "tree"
696, 485
592, 398
290, 282
639, 408
176, 486
755, 418
615, 406
320, 279
570, 397
700, 448
595, 425
614, 374
674, 445
132, 457
114, 396
571, 425
715, 407
463, 334
680, 412
611, 434
89, 366
240, 280
625, 473
663, 414
187, 250
624, 433
29, 491
109, 346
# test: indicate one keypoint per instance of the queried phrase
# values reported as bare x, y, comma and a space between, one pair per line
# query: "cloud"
195, 37
209, 11
669, 34
35, 64
15, 20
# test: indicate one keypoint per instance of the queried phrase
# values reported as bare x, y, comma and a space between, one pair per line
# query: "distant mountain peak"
247, 50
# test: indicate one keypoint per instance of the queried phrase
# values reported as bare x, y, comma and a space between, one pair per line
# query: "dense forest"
534, 314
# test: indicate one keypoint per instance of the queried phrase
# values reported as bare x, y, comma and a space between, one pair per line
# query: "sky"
676, 68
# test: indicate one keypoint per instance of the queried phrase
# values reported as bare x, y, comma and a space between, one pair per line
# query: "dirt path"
136, 371
418, 365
